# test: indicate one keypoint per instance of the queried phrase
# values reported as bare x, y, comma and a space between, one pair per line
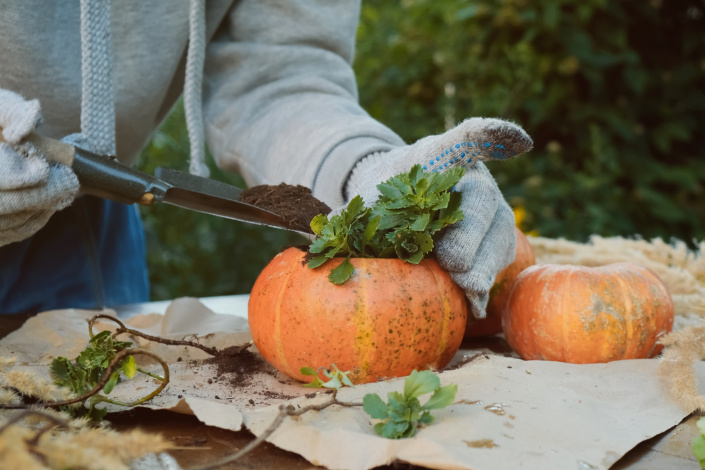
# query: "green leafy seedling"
412, 208
84, 373
336, 377
403, 413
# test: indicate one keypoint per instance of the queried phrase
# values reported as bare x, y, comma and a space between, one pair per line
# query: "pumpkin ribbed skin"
390, 318
586, 315
492, 324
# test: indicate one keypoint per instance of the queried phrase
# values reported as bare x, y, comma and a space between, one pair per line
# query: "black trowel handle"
108, 178
99, 175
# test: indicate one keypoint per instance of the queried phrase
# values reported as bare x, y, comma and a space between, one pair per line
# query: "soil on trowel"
295, 204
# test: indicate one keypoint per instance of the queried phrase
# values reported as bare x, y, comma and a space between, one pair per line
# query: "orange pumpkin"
492, 324
390, 318
585, 315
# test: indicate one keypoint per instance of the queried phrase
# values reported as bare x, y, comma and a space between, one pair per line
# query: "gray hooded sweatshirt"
279, 94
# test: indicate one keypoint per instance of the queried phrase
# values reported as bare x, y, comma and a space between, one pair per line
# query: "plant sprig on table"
411, 209
336, 377
403, 413
98, 368
83, 374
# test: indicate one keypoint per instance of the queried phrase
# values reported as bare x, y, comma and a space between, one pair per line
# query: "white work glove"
475, 249
31, 188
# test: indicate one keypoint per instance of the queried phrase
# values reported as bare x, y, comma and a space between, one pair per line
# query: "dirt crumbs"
241, 366
238, 368
295, 204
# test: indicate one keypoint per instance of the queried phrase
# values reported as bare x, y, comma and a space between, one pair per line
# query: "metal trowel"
107, 178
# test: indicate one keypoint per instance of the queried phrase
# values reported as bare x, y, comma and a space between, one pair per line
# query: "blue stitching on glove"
465, 158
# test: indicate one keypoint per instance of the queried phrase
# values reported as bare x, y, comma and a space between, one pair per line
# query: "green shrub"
612, 92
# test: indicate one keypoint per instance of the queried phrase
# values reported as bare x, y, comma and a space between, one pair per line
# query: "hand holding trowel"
107, 178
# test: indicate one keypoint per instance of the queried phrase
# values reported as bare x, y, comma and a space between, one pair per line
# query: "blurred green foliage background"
612, 92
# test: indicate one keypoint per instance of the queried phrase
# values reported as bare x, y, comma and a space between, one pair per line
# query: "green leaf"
345, 379
389, 430
410, 430
390, 220
111, 382
60, 369
333, 251
316, 383
317, 223
100, 337
452, 210
440, 182
130, 367
403, 203
397, 408
409, 245
441, 398
308, 371
699, 449
400, 428
319, 245
424, 241
389, 191
420, 223
334, 382
426, 418
422, 187
420, 383
441, 202
317, 261
69, 375
374, 406
342, 272
415, 174
371, 228
355, 206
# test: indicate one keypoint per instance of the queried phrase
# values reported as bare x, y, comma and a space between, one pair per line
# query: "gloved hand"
31, 188
475, 249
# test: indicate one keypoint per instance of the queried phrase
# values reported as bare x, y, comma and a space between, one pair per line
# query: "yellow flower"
519, 218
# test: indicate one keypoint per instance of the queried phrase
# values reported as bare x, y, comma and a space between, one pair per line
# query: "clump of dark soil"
295, 204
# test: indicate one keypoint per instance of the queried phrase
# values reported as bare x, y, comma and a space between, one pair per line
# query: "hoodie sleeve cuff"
335, 170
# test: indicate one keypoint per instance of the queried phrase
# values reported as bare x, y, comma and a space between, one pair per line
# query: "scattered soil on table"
240, 367
295, 204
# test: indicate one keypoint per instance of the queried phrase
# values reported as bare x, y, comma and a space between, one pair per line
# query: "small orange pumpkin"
492, 324
390, 318
586, 315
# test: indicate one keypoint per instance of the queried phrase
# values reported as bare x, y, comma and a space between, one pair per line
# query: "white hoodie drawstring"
97, 96
193, 108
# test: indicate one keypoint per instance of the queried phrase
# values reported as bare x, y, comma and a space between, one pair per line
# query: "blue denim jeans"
90, 255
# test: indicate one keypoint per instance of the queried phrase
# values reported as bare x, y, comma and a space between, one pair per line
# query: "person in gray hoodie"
267, 84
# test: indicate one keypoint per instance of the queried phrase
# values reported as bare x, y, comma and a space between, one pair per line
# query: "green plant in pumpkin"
412, 208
